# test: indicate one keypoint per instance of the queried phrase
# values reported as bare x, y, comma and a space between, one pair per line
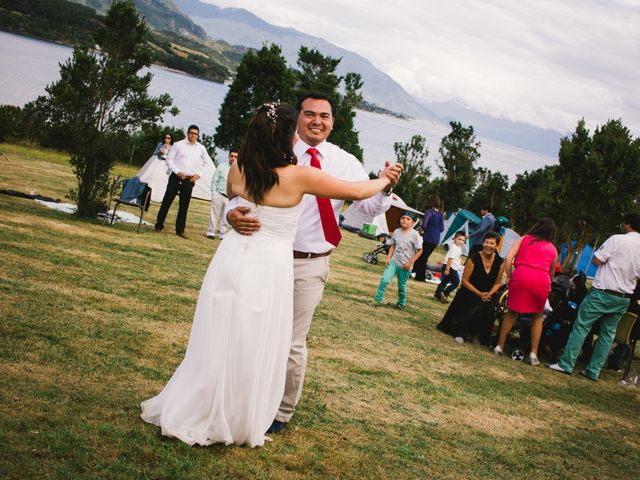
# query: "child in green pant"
406, 247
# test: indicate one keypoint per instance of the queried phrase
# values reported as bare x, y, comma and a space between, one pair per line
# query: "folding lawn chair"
124, 193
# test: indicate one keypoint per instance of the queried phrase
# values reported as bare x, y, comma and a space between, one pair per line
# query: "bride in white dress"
229, 386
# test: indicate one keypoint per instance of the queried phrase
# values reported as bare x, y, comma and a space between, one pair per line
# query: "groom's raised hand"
242, 223
392, 172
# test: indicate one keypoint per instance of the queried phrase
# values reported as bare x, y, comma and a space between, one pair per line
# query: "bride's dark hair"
266, 147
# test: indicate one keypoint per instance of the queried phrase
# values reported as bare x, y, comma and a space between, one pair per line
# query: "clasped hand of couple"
245, 225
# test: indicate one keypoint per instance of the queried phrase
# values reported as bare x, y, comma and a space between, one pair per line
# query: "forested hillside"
161, 15
70, 23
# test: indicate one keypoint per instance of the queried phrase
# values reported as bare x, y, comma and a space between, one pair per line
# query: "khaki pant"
218, 204
310, 276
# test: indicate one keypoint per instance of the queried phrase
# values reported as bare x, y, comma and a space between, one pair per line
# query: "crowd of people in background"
524, 277
256, 195
527, 268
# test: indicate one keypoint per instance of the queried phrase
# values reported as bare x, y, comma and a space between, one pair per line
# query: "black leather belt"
613, 292
297, 254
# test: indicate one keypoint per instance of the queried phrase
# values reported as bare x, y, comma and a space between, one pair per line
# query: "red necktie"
327, 216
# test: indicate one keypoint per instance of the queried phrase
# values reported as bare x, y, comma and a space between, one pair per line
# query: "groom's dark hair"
316, 96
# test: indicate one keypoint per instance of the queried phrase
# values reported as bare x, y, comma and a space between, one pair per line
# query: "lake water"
29, 65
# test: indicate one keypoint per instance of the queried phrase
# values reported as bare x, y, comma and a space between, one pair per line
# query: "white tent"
509, 237
383, 222
155, 174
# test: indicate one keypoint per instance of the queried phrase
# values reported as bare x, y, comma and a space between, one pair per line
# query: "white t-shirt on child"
454, 252
406, 245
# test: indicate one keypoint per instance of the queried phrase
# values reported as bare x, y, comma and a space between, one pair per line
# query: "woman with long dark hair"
534, 257
230, 383
432, 227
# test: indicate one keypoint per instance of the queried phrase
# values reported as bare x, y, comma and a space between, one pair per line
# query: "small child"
451, 268
406, 247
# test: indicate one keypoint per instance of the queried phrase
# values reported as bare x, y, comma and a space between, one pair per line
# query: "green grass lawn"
94, 319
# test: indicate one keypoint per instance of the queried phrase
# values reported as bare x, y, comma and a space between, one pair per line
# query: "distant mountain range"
528, 137
161, 15
241, 27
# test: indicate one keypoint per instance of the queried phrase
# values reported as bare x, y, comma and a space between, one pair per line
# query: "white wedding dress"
229, 386
155, 173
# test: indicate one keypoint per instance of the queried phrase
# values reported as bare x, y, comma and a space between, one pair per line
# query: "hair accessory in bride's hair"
272, 114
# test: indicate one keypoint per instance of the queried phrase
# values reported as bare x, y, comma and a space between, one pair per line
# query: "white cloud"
542, 62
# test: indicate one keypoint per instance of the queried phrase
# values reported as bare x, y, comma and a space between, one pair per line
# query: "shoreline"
62, 44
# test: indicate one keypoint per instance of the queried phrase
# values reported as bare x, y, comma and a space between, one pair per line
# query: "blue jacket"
486, 224
132, 189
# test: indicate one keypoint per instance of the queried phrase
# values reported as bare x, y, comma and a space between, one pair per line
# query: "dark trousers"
420, 266
448, 283
175, 186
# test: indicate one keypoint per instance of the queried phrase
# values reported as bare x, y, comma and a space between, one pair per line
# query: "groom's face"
315, 121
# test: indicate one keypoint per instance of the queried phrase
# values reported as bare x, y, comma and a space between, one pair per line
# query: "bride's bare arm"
316, 182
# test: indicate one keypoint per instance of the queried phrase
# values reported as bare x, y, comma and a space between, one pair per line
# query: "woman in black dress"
471, 311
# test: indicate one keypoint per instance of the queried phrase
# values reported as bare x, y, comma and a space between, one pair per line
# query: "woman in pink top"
534, 257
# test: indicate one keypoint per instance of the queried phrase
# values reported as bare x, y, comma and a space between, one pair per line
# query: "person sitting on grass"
406, 247
451, 269
471, 311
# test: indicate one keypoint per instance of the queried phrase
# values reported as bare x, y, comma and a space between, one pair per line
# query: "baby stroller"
383, 247
557, 328
556, 322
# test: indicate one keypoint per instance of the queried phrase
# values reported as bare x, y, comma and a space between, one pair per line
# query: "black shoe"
182, 235
584, 374
276, 426
158, 229
614, 367
441, 299
211, 237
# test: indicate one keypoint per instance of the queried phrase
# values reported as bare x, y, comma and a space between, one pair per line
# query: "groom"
317, 234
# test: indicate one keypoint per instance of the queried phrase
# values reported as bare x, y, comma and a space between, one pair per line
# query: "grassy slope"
94, 319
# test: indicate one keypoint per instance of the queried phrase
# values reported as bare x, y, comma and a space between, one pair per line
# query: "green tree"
412, 187
344, 133
532, 197
598, 181
318, 74
262, 76
141, 143
99, 97
458, 154
492, 188
11, 122
595, 183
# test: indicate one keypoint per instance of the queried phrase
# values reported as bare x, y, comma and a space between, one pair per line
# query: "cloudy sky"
542, 62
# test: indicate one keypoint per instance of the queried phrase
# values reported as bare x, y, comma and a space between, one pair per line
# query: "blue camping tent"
584, 260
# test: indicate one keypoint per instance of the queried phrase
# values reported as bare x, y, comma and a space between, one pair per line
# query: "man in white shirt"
618, 260
311, 247
219, 198
187, 160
